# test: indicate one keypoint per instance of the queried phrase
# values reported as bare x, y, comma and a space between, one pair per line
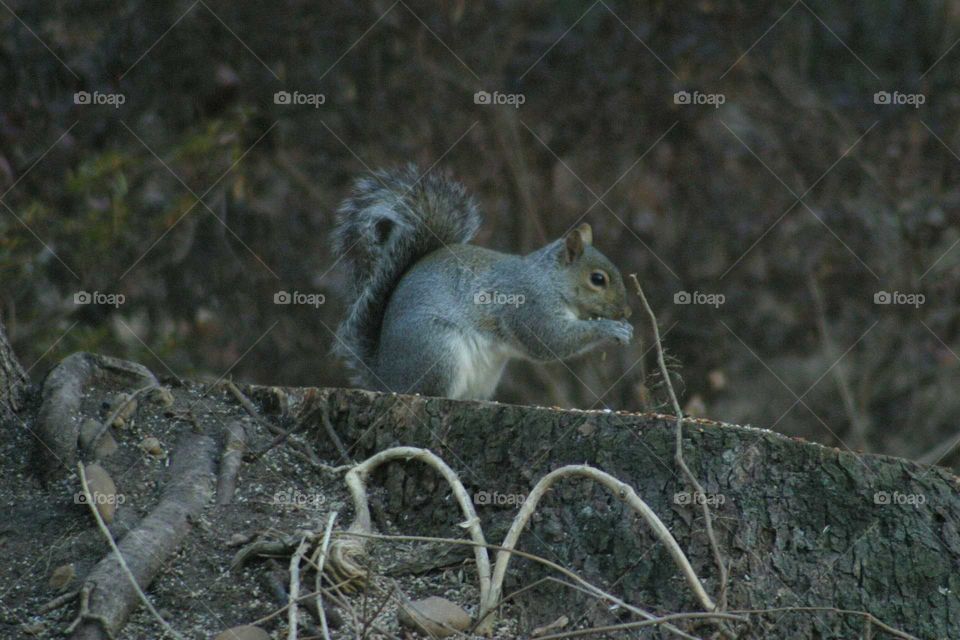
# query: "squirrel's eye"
598, 278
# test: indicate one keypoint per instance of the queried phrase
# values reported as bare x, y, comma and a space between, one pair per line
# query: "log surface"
800, 524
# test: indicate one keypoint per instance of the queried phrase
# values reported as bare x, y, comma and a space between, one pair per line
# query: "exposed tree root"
146, 547
57, 425
345, 558
623, 492
118, 556
235, 443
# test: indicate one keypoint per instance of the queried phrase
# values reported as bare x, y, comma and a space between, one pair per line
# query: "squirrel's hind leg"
419, 363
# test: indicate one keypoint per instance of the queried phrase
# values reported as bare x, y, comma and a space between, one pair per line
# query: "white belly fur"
479, 364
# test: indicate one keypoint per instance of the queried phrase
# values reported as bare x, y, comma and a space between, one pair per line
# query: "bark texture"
154, 540
800, 524
12, 379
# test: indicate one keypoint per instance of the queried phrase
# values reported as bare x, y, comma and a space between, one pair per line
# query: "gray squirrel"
434, 315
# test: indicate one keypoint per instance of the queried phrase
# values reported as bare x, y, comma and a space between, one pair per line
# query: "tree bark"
12, 379
799, 523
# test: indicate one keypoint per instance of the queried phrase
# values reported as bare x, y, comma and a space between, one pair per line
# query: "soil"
46, 526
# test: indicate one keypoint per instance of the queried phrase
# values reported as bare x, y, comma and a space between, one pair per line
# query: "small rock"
435, 616
124, 416
106, 446
162, 397
557, 624
238, 539
102, 447
103, 491
88, 430
152, 446
243, 632
34, 628
62, 576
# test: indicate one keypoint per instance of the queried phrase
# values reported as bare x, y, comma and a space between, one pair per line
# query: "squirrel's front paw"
620, 331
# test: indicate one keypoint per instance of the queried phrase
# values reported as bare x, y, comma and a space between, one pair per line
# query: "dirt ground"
197, 592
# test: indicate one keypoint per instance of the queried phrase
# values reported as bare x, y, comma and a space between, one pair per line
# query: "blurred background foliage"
798, 199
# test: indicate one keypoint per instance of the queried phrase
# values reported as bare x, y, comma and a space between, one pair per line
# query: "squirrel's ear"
575, 241
382, 230
586, 233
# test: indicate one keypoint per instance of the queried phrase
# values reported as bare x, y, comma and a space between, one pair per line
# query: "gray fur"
423, 322
426, 213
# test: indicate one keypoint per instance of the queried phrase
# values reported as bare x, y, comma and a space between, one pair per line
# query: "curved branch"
622, 491
356, 480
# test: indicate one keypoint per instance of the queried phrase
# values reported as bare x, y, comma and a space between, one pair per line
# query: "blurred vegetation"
200, 197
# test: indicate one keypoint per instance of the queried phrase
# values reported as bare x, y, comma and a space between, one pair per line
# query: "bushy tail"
391, 220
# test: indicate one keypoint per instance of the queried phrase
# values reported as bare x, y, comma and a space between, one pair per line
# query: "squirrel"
434, 315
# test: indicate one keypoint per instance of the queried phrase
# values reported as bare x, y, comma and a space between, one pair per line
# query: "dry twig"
320, 559
626, 626
582, 584
869, 617
294, 590
678, 455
